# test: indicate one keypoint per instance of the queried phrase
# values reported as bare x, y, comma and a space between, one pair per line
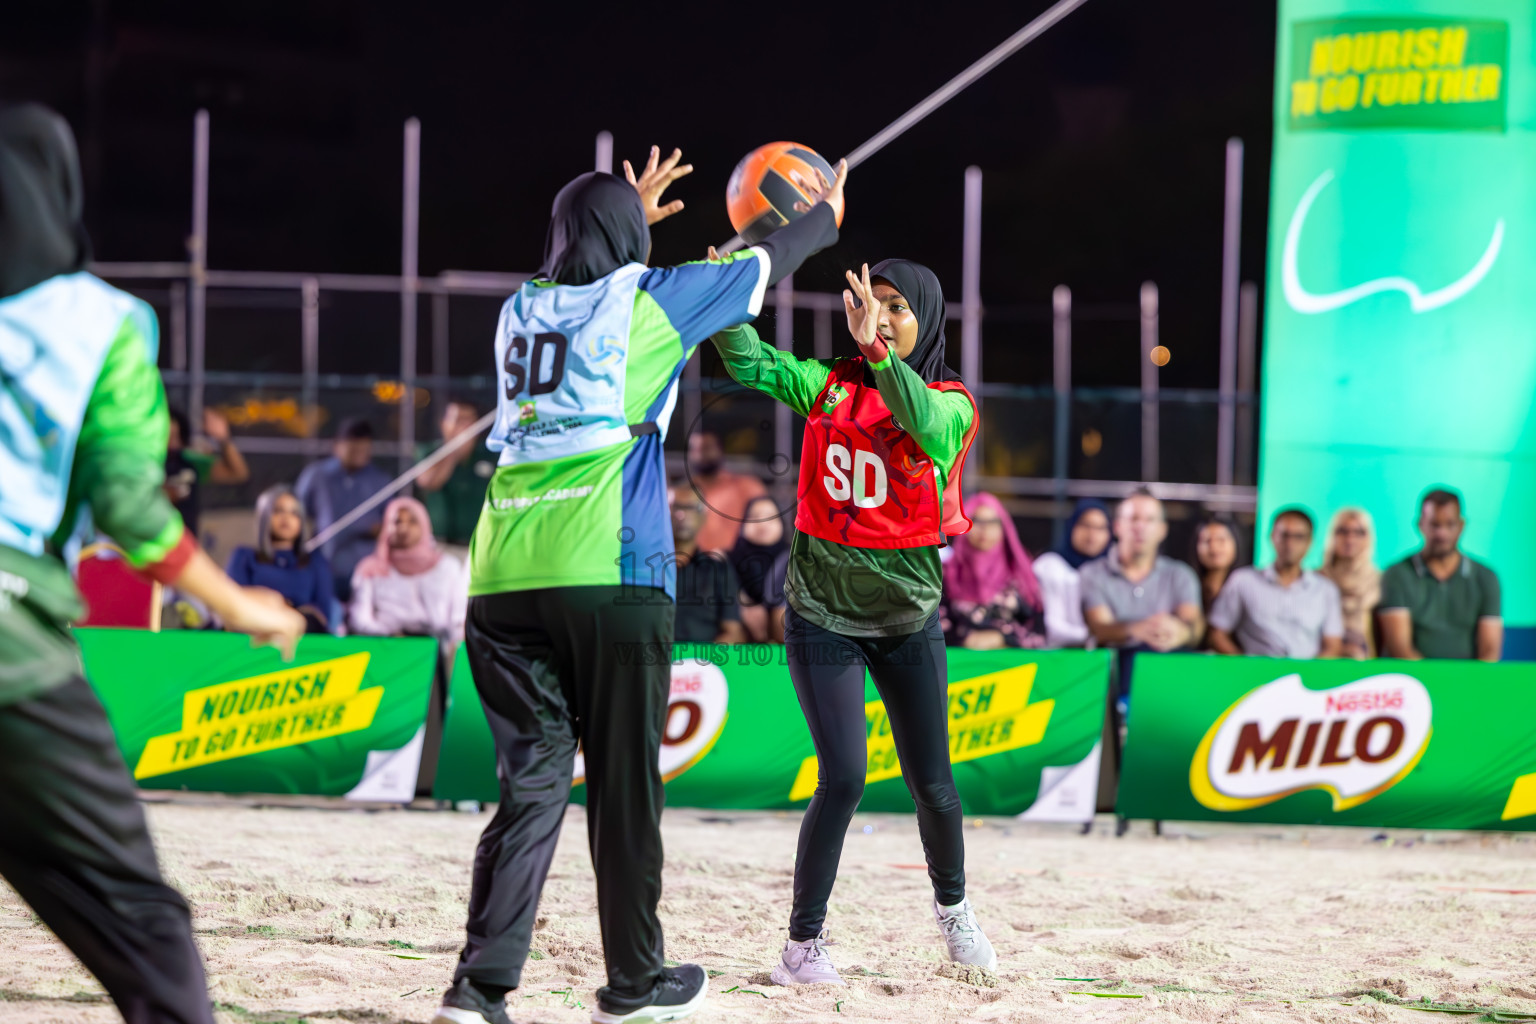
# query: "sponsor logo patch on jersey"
527, 412
836, 393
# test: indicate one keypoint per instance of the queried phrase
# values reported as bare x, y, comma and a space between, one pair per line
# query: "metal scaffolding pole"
1232, 237
970, 317
1061, 374
1247, 377
604, 153
409, 285
440, 394
197, 259
178, 325
1149, 425
821, 332
309, 320
783, 339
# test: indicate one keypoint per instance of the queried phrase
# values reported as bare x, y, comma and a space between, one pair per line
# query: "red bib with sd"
864, 481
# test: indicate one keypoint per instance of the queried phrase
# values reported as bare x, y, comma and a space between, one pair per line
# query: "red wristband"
169, 568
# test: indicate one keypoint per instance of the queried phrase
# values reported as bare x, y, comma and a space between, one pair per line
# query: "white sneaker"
967, 945
806, 963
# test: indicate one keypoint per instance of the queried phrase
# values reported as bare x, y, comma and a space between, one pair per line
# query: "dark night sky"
1101, 143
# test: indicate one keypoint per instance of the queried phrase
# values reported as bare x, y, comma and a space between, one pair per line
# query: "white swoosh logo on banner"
1303, 301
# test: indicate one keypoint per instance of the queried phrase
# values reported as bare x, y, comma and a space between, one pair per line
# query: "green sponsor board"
1024, 733
1404, 744
206, 711
1399, 351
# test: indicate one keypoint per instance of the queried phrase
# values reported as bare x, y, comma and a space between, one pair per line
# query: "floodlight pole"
604, 153
1061, 374
1149, 424
1232, 236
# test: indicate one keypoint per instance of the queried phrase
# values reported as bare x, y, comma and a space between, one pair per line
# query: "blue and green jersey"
587, 379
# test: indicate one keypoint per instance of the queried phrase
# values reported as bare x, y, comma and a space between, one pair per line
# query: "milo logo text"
696, 713
1354, 741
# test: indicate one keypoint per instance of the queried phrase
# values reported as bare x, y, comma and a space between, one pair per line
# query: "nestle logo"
1365, 701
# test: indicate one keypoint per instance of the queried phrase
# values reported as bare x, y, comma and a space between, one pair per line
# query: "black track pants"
75, 846
912, 678
554, 667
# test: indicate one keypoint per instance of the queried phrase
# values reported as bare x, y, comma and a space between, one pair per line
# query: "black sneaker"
678, 994
464, 1004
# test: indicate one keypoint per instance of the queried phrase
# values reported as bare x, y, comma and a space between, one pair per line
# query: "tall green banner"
1400, 330
206, 711
1024, 731
1406, 744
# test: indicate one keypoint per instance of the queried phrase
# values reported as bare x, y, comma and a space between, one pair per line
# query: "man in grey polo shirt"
1283, 611
1438, 603
1134, 597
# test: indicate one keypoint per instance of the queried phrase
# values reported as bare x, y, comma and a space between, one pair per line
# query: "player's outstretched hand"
653, 181
820, 189
266, 617
863, 311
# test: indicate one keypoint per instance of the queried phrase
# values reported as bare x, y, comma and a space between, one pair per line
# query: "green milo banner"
1400, 329
1024, 732
1407, 744
206, 711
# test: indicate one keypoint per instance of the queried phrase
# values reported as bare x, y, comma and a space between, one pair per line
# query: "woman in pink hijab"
991, 597
408, 586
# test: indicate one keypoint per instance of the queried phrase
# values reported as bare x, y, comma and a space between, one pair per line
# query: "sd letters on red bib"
864, 481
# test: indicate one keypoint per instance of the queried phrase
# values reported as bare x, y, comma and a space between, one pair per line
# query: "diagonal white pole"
394, 486
999, 53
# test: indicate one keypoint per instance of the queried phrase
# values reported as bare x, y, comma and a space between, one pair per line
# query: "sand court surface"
322, 914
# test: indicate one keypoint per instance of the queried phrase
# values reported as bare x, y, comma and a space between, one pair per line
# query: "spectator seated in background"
454, 490
279, 561
707, 588
760, 544
1135, 597
991, 598
334, 486
409, 586
724, 494
1061, 593
188, 464
1218, 550
1348, 560
1282, 611
1439, 603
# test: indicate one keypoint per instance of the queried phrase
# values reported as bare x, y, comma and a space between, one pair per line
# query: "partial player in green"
886, 435
570, 624
83, 430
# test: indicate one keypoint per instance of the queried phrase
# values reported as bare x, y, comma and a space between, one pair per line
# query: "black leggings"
911, 675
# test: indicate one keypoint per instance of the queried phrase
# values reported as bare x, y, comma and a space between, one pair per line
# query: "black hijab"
41, 234
1074, 557
597, 225
920, 286
753, 562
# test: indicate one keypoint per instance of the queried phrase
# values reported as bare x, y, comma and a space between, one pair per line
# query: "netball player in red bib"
886, 436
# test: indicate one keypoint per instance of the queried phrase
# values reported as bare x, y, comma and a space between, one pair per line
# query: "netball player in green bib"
886, 436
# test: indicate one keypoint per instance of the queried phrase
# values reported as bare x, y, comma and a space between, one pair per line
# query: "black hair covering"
920, 286
41, 234
1074, 557
597, 225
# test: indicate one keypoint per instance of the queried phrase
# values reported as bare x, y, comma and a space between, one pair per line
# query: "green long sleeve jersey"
850, 590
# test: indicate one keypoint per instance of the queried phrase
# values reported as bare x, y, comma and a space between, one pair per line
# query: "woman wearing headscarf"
757, 547
991, 597
886, 435
408, 586
573, 569
1061, 589
1348, 560
280, 563
83, 427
